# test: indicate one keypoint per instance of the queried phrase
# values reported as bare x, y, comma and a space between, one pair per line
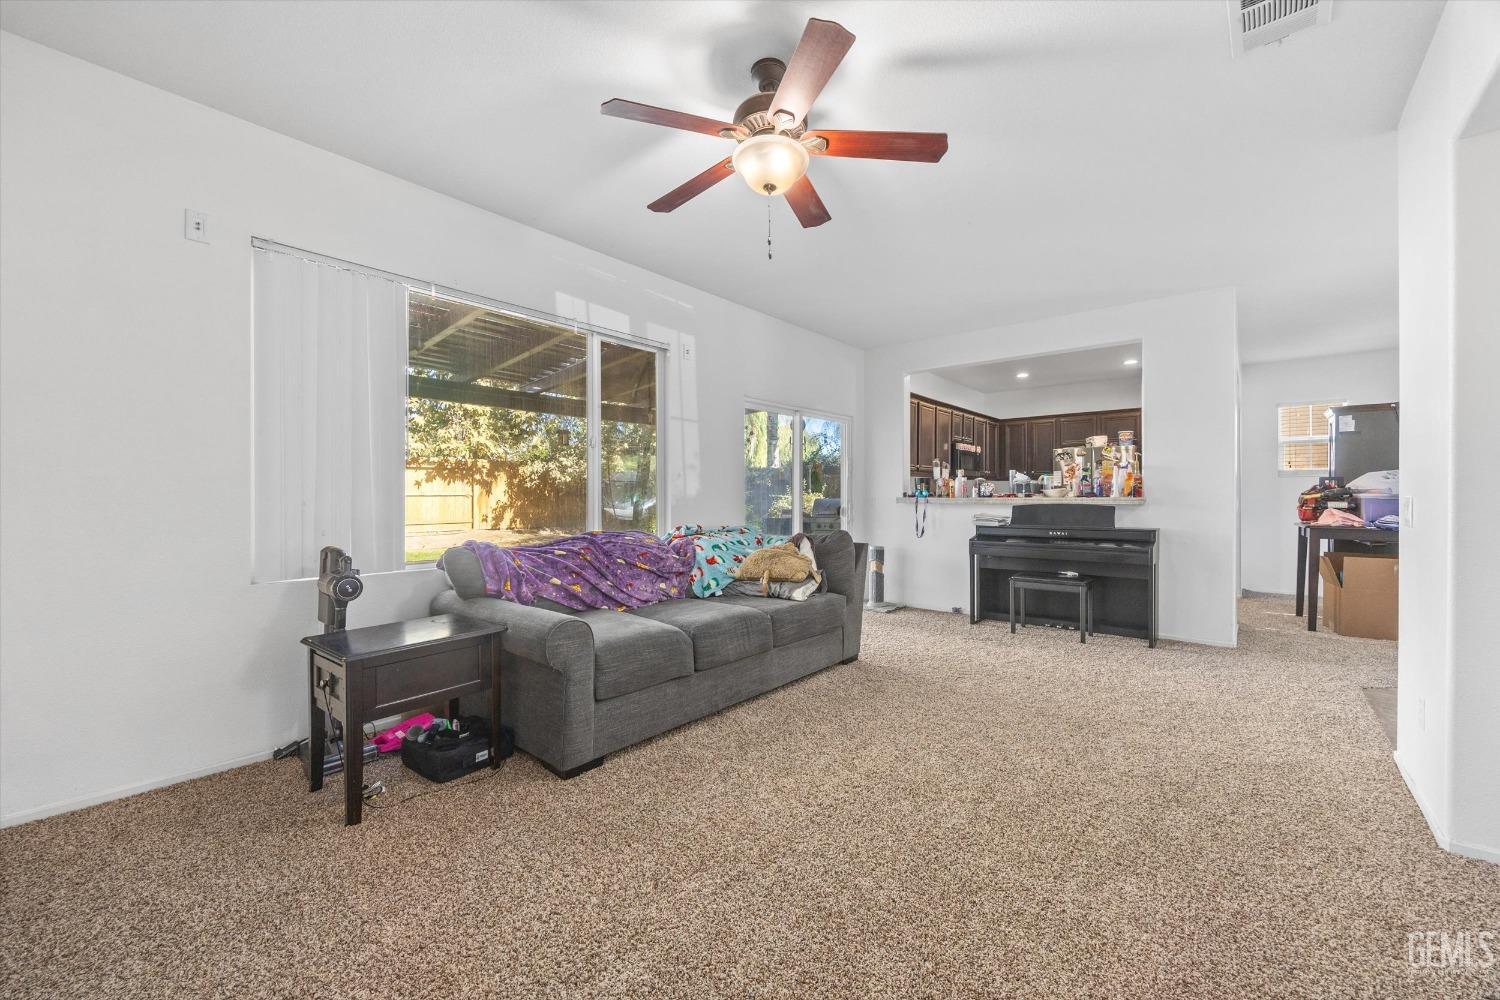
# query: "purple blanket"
605, 569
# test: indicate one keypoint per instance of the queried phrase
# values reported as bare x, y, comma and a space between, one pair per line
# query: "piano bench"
1022, 582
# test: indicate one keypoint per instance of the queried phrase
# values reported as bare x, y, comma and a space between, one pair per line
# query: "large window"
499, 411
1302, 437
394, 419
794, 471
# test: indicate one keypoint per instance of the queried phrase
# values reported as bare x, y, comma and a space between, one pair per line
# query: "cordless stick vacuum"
338, 584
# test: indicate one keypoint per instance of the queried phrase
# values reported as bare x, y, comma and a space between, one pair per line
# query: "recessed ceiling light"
1131, 361
1023, 374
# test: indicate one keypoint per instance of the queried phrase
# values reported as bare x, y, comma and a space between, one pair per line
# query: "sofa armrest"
547, 637
846, 563
854, 606
547, 680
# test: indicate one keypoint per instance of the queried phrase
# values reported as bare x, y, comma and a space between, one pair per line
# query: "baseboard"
125, 791
1490, 854
1416, 796
1447, 843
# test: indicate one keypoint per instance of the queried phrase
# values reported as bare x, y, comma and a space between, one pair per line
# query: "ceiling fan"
773, 143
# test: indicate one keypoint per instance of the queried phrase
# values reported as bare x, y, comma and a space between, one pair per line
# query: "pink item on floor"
390, 739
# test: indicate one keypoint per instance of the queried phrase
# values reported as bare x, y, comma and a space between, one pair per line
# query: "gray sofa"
577, 685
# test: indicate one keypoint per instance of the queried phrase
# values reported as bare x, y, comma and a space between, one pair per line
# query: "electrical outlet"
195, 226
1408, 517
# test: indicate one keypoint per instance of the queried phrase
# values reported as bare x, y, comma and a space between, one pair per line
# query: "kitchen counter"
1013, 501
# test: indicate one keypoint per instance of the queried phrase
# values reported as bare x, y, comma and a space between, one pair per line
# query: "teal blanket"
718, 552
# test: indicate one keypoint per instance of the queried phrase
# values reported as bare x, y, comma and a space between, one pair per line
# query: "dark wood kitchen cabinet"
1041, 438
926, 435
1076, 430
1024, 444
1115, 421
1013, 454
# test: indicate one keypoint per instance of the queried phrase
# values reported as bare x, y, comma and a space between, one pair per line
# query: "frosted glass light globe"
770, 163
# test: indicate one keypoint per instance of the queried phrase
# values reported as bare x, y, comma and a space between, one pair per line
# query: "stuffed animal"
778, 563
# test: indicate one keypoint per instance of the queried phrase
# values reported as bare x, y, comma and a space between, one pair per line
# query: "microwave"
964, 454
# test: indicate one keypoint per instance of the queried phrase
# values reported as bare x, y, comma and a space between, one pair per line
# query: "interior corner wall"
125, 421
1444, 657
1268, 496
1190, 368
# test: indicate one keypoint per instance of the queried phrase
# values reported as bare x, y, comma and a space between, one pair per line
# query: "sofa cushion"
633, 653
721, 633
793, 621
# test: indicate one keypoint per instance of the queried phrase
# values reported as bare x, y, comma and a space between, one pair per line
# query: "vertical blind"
329, 416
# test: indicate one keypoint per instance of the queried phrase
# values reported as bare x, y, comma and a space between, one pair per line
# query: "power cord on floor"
373, 792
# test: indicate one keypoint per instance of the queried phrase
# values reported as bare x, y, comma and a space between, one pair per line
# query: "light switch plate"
195, 226
1407, 507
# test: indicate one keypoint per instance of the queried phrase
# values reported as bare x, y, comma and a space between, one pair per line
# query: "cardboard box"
1359, 594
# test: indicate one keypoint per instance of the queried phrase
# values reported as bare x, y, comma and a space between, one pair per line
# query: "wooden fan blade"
806, 204
617, 108
923, 147
818, 54
693, 188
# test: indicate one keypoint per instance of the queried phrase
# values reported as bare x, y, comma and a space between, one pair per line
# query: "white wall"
1441, 557
1475, 819
1268, 496
125, 349
1189, 401
1070, 397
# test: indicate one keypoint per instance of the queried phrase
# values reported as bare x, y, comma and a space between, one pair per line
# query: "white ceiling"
1101, 153
1099, 364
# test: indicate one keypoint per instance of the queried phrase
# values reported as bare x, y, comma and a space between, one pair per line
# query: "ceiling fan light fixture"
770, 162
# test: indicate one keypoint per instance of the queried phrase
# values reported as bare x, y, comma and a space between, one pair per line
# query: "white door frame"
846, 471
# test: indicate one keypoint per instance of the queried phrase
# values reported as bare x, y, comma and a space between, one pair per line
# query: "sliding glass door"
822, 475
769, 444
794, 471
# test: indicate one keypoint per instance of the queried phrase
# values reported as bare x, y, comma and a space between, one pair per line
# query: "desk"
1310, 539
363, 674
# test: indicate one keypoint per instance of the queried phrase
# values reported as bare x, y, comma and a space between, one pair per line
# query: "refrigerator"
1363, 439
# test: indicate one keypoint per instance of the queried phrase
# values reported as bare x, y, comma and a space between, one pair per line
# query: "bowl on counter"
1056, 492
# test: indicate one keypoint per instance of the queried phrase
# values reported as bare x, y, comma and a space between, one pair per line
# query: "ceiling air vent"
1253, 23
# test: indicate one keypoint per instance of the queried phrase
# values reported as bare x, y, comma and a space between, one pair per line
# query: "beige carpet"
961, 813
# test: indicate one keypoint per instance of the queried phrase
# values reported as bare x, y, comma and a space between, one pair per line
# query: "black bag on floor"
443, 754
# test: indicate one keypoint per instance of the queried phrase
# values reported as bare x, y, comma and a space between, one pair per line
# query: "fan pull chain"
768, 229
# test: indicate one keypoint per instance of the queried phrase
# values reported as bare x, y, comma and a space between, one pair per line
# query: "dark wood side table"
363, 674
1310, 539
